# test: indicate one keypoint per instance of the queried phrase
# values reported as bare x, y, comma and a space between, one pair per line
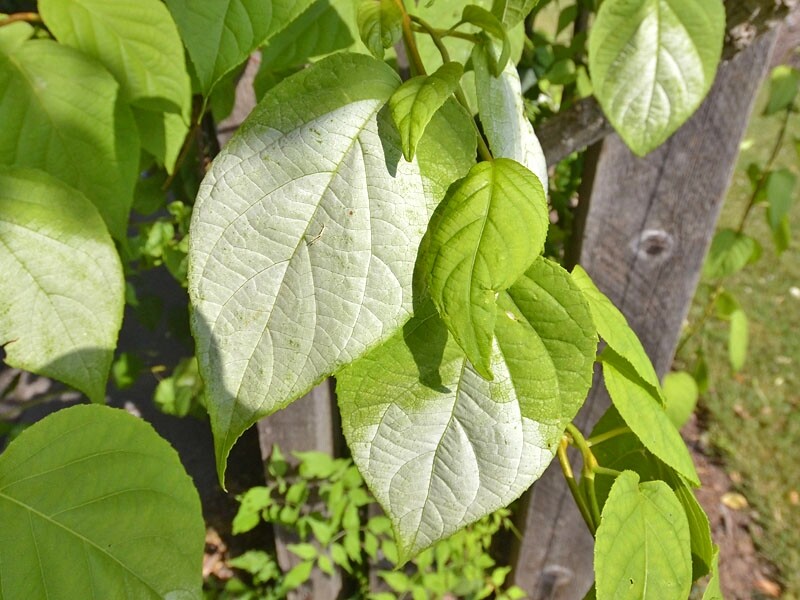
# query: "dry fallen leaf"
768, 588
734, 501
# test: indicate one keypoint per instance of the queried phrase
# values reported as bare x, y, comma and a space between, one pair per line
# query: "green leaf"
614, 329
417, 100
489, 23
730, 252
93, 502
784, 82
304, 237
13, 35
221, 35
501, 108
136, 40
624, 452
642, 543
477, 444
327, 26
60, 113
782, 236
62, 315
652, 63
162, 135
699, 527
713, 590
485, 234
780, 196
298, 575
511, 12
304, 551
644, 415
680, 390
737, 340
380, 23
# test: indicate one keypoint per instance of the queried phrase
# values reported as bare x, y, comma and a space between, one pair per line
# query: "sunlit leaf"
417, 100
614, 329
784, 82
501, 108
488, 230
136, 40
60, 113
737, 340
61, 316
730, 252
304, 237
220, 35
380, 23
644, 415
652, 63
642, 543
511, 12
476, 445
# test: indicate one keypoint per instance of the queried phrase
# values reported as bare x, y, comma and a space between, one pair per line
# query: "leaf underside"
304, 237
440, 446
652, 63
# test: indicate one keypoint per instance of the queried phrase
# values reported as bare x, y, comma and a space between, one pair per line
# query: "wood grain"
649, 224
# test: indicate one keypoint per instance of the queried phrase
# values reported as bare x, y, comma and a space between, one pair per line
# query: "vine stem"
408, 40
588, 470
762, 181
608, 435
470, 37
26, 17
577, 494
461, 97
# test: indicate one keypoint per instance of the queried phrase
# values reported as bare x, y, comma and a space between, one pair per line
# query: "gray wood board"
309, 423
649, 225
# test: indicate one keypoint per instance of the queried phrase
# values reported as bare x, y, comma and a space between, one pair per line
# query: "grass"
754, 415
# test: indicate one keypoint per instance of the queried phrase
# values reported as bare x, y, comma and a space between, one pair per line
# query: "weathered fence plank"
649, 224
310, 423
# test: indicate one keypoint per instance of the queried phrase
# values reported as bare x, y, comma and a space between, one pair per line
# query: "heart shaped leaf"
304, 237
438, 445
489, 229
642, 543
652, 63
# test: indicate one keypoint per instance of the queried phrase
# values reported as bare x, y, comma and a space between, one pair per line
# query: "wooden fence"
645, 226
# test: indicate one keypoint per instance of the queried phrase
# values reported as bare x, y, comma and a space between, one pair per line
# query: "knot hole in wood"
653, 244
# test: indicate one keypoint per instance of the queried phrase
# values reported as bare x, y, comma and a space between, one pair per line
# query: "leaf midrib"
32, 511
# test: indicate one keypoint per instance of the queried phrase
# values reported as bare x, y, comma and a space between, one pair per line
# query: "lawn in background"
753, 417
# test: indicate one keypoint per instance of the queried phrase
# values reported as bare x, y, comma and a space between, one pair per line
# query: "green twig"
598, 470
608, 435
577, 494
418, 67
762, 181
443, 33
588, 470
